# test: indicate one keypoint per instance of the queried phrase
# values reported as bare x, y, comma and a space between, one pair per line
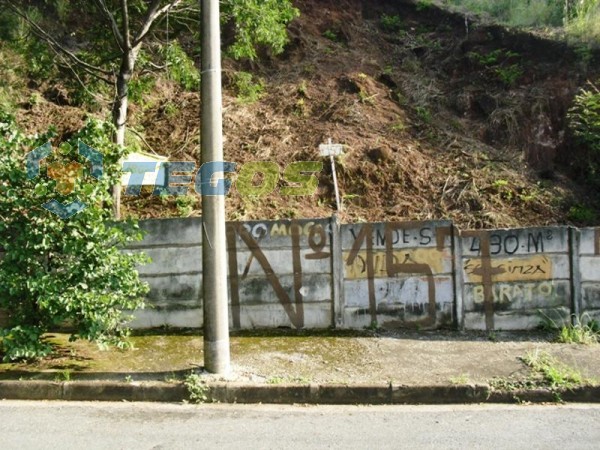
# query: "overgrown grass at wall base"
56, 272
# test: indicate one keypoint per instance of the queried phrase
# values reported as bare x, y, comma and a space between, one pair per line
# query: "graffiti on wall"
374, 253
508, 266
251, 236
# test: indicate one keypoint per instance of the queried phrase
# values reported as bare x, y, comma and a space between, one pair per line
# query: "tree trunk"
119, 115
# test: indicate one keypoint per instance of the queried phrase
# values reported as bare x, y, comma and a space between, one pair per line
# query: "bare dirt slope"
440, 118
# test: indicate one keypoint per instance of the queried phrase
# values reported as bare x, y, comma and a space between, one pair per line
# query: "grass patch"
546, 372
579, 334
461, 379
551, 372
288, 380
584, 331
248, 88
579, 21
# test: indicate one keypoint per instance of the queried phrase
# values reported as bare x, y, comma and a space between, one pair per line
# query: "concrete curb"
389, 394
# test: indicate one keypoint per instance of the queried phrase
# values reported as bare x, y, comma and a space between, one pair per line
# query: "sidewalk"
320, 367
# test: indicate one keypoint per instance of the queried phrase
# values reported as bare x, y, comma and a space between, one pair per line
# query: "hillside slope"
440, 118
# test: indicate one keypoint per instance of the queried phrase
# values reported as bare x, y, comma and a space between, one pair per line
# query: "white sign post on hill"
330, 149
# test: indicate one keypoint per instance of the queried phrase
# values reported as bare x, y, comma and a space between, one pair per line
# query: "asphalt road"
55, 425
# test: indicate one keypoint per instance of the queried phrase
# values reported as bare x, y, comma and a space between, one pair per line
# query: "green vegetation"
391, 24
63, 375
331, 35
584, 117
584, 121
553, 373
588, 333
423, 5
258, 24
491, 58
54, 271
580, 19
509, 75
582, 214
248, 89
546, 372
500, 64
424, 114
185, 204
181, 68
288, 380
461, 379
197, 388
585, 330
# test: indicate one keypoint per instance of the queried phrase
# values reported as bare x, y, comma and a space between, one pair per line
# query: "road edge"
372, 394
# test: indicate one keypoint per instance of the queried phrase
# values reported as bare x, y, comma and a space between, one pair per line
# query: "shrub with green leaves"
258, 23
584, 121
181, 68
56, 272
584, 117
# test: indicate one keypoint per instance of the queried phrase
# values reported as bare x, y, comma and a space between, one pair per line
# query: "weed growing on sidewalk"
64, 375
553, 373
580, 333
460, 380
288, 380
547, 372
197, 388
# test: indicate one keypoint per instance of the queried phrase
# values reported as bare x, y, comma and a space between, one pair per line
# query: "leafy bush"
423, 5
181, 68
584, 121
58, 272
584, 116
258, 23
581, 214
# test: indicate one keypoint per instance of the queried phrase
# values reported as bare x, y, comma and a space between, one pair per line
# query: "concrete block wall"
512, 278
318, 273
174, 275
588, 252
280, 274
397, 275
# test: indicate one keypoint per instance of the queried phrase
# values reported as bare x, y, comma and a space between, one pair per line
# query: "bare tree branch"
113, 23
64, 59
154, 12
126, 34
42, 34
97, 97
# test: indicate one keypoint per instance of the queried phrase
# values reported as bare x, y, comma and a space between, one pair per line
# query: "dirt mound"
440, 118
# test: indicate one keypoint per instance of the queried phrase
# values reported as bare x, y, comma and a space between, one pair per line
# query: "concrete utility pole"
214, 243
